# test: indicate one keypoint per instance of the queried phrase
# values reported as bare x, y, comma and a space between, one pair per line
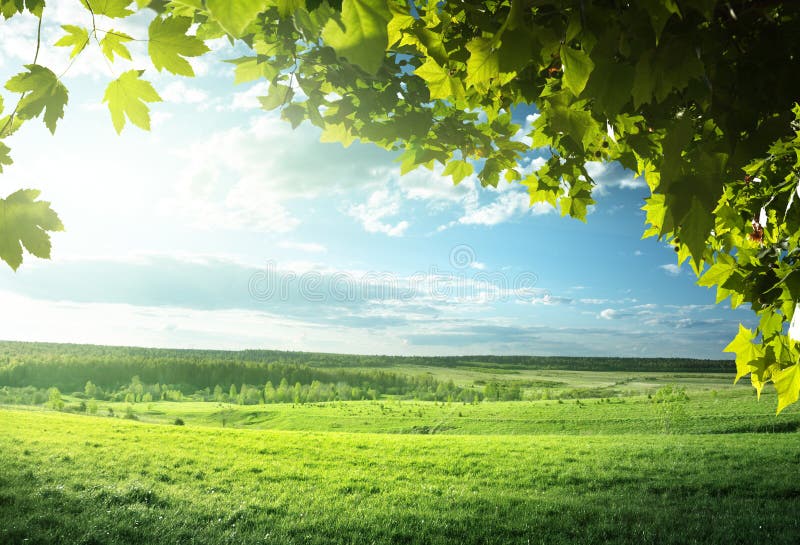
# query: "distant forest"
69, 367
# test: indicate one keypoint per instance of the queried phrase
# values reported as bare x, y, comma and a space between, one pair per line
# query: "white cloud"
608, 314
248, 99
549, 300
531, 165
159, 118
608, 176
308, 247
180, 93
380, 205
431, 186
522, 133
244, 178
507, 201
671, 269
507, 206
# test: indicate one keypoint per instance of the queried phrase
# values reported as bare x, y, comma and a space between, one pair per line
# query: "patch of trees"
138, 374
502, 391
422, 388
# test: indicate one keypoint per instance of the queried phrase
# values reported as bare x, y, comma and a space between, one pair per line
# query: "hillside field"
625, 456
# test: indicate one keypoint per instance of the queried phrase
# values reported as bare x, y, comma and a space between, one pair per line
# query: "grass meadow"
715, 467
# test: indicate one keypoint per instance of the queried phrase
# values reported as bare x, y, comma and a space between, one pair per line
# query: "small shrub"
670, 408
129, 413
179, 422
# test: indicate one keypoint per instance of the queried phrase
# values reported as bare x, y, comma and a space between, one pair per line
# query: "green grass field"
602, 470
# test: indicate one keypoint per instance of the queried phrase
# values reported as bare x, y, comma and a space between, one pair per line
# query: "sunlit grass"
84, 479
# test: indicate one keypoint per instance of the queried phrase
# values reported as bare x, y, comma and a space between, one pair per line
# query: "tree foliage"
697, 97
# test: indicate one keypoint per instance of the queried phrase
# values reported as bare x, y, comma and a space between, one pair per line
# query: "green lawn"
520, 472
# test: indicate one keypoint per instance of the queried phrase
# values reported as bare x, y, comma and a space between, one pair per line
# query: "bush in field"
669, 403
54, 399
179, 422
129, 414
670, 394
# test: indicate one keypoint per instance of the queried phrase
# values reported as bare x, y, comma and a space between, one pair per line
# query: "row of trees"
316, 392
502, 391
70, 366
137, 391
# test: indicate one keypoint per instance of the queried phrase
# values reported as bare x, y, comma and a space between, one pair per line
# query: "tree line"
112, 365
134, 374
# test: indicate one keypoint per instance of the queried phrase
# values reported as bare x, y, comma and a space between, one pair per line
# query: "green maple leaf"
440, 83
43, 92
277, 96
655, 214
169, 44
235, 15
9, 8
574, 122
458, 170
483, 64
114, 43
576, 203
287, 7
643, 81
746, 351
128, 95
787, 384
577, 68
717, 274
660, 11
77, 38
362, 36
5, 157
109, 8
185, 8
695, 228
24, 221
252, 68
610, 85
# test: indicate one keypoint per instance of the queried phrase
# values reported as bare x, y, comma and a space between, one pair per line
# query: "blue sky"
224, 228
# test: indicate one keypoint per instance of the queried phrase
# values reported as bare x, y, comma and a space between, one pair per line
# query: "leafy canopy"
698, 97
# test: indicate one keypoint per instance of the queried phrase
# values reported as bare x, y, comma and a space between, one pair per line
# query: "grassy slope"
727, 411
519, 472
77, 479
